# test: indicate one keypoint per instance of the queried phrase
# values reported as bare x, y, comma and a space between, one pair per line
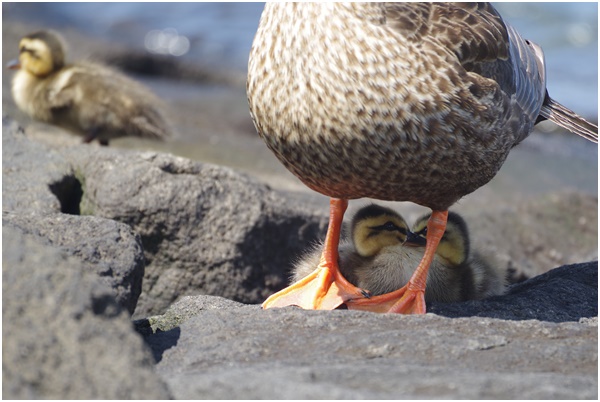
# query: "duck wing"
485, 45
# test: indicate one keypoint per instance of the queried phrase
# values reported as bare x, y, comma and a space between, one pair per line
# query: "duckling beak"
415, 240
13, 64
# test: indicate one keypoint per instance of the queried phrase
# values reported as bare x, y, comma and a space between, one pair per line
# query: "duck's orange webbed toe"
403, 301
325, 288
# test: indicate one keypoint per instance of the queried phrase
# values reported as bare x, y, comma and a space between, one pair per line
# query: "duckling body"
416, 102
455, 274
391, 269
87, 98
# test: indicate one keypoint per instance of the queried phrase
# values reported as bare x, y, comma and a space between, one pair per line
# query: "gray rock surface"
548, 231
205, 228
30, 171
39, 185
63, 334
108, 248
212, 349
567, 293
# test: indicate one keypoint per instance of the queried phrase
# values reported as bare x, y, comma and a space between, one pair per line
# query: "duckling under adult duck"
482, 276
383, 254
416, 102
87, 98
374, 228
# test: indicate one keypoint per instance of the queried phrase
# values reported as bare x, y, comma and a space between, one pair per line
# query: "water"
221, 34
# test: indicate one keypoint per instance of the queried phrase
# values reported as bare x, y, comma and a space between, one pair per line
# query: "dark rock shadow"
568, 293
69, 193
160, 341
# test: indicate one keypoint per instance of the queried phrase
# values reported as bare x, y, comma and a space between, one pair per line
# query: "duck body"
84, 97
385, 99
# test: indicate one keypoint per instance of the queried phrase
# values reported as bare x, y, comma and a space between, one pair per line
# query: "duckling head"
454, 246
375, 227
40, 53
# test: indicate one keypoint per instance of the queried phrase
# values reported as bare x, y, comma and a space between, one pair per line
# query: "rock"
205, 229
567, 293
209, 348
63, 334
549, 231
109, 248
31, 172
187, 307
41, 196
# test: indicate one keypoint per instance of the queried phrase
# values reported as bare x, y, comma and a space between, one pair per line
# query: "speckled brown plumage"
416, 102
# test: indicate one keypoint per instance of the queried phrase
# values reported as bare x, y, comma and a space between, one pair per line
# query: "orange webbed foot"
403, 301
325, 288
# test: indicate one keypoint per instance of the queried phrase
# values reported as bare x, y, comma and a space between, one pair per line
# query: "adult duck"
416, 102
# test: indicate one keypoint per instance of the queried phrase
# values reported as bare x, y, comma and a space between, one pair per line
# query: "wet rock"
63, 334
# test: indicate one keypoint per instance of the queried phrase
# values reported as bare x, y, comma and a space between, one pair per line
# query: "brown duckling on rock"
84, 97
417, 102
382, 255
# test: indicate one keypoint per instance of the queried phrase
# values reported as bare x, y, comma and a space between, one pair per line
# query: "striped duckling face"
454, 247
375, 227
40, 54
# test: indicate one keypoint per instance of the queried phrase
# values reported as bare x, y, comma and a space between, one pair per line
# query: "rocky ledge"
132, 274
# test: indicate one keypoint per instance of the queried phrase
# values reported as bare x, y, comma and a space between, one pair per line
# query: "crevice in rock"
69, 192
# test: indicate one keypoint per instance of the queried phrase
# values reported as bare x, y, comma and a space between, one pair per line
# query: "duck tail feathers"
569, 120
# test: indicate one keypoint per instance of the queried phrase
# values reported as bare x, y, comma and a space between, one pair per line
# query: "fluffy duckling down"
382, 254
87, 98
479, 276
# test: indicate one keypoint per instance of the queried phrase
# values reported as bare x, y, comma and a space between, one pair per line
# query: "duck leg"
409, 299
325, 288
92, 134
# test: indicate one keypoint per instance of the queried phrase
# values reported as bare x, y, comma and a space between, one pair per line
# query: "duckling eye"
390, 226
23, 49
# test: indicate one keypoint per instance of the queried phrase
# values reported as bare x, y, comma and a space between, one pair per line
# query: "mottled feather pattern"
416, 102
473, 32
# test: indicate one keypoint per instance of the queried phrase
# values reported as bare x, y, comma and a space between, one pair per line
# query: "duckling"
382, 256
479, 276
87, 98
373, 229
402, 101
